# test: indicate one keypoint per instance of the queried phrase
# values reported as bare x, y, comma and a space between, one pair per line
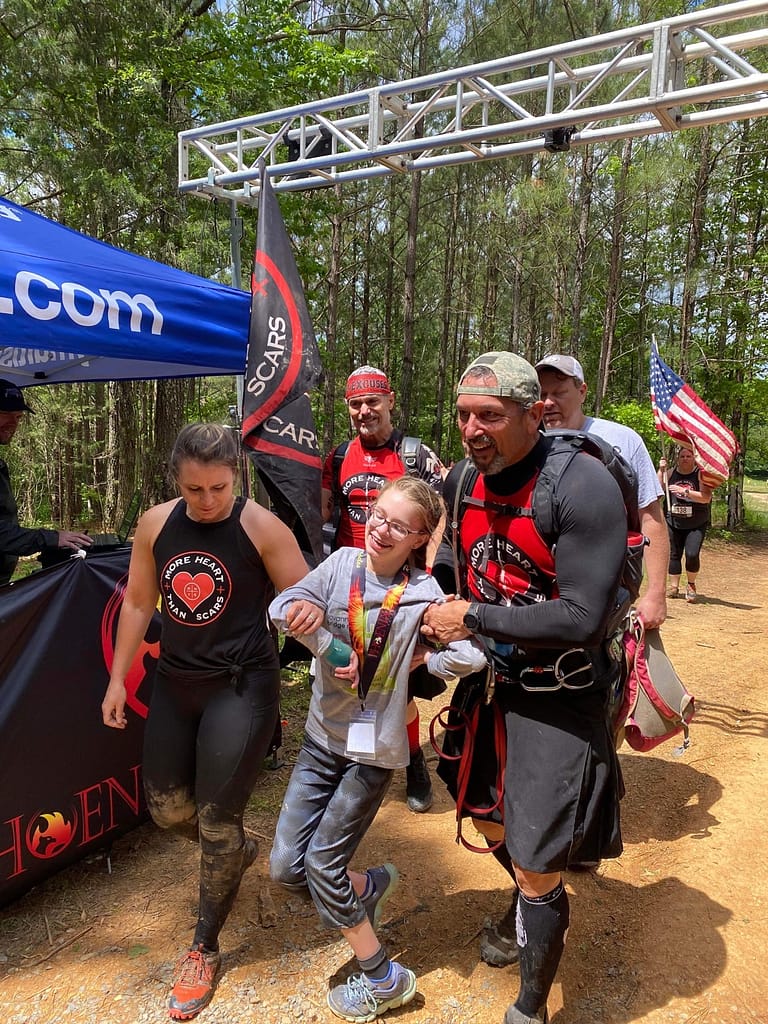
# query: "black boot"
498, 942
418, 786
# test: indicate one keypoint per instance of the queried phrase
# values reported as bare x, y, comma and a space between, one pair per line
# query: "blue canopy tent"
75, 309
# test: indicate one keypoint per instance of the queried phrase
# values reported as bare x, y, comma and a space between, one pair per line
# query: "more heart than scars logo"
192, 590
196, 588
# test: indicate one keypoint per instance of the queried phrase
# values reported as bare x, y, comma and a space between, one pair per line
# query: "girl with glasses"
360, 613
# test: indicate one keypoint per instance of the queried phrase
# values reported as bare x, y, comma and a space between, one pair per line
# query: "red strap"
469, 724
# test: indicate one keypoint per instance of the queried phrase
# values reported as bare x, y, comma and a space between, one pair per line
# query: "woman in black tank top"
213, 561
688, 515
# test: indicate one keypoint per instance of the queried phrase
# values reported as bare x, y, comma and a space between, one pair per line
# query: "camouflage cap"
515, 378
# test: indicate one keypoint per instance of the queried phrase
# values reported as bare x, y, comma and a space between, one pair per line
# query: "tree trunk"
614, 277
447, 350
694, 246
582, 241
332, 327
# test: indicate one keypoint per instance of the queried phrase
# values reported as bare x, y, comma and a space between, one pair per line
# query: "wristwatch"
471, 618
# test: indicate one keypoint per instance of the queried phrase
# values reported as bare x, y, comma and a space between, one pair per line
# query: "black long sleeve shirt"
15, 540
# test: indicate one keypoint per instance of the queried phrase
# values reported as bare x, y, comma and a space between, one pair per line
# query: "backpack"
545, 506
407, 449
652, 703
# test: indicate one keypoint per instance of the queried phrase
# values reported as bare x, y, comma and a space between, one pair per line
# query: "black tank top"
214, 594
682, 514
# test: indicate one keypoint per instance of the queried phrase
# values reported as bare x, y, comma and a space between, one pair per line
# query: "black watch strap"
471, 618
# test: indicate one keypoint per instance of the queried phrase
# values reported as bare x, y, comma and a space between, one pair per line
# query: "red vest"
506, 555
364, 472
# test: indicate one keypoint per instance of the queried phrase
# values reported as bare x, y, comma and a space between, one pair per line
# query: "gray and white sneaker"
515, 1016
362, 999
385, 880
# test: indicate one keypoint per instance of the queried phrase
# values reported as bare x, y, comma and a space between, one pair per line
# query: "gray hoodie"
333, 701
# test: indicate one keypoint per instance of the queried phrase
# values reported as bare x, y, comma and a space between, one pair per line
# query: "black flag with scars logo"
282, 367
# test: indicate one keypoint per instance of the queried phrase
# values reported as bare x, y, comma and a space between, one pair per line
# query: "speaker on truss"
316, 145
558, 140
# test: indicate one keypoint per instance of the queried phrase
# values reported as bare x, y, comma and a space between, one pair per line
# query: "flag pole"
665, 485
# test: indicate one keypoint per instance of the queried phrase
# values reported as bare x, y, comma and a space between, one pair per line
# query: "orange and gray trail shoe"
195, 979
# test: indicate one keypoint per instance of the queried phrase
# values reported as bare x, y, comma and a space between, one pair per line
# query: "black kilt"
562, 780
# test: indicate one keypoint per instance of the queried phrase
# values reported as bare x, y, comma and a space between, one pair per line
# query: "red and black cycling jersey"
507, 558
362, 474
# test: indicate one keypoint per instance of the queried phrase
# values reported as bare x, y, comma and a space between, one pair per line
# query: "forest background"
591, 252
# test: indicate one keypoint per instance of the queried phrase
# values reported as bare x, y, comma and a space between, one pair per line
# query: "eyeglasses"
377, 519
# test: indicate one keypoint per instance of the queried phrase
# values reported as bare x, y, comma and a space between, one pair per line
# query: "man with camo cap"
541, 608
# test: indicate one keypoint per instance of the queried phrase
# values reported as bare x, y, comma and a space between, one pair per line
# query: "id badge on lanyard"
361, 733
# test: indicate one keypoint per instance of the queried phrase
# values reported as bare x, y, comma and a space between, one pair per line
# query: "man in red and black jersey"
351, 484
353, 475
542, 611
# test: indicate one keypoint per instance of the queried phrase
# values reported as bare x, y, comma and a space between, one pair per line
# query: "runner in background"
688, 518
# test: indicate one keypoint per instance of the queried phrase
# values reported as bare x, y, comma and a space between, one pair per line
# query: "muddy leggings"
204, 746
327, 809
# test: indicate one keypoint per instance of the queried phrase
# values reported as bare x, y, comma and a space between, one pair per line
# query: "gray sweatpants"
328, 806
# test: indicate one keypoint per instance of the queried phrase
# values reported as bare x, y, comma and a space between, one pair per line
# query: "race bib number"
681, 510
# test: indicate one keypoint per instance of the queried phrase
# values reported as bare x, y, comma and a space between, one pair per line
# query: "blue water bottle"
338, 653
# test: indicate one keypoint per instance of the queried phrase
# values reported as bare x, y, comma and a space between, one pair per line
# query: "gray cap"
516, 378
564, 364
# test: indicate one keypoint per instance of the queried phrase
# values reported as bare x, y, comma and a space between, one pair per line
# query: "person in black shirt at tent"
17, 540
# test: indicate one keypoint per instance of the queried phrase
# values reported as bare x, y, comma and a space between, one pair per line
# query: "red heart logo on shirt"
192, 590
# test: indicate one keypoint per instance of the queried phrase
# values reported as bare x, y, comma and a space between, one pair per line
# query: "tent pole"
236, 269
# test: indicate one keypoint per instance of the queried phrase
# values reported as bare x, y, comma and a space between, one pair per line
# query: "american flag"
679, 412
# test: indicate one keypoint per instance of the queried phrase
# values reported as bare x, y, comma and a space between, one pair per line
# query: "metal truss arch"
661, 77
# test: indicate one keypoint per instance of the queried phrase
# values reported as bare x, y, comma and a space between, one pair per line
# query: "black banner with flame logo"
68, 785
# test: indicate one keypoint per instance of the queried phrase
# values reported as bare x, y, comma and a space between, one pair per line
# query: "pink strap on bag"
656, 705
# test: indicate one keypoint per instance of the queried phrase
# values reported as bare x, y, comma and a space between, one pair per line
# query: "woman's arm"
276, 544
139, 605
702, 496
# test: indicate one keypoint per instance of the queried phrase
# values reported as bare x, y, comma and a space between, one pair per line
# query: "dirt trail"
675, 931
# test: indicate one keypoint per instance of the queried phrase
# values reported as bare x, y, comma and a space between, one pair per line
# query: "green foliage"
756, 460
511, 254
640, 418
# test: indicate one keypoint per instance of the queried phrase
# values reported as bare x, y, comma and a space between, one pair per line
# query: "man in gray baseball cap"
535, 606
15, 540
569, 366
563, 391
